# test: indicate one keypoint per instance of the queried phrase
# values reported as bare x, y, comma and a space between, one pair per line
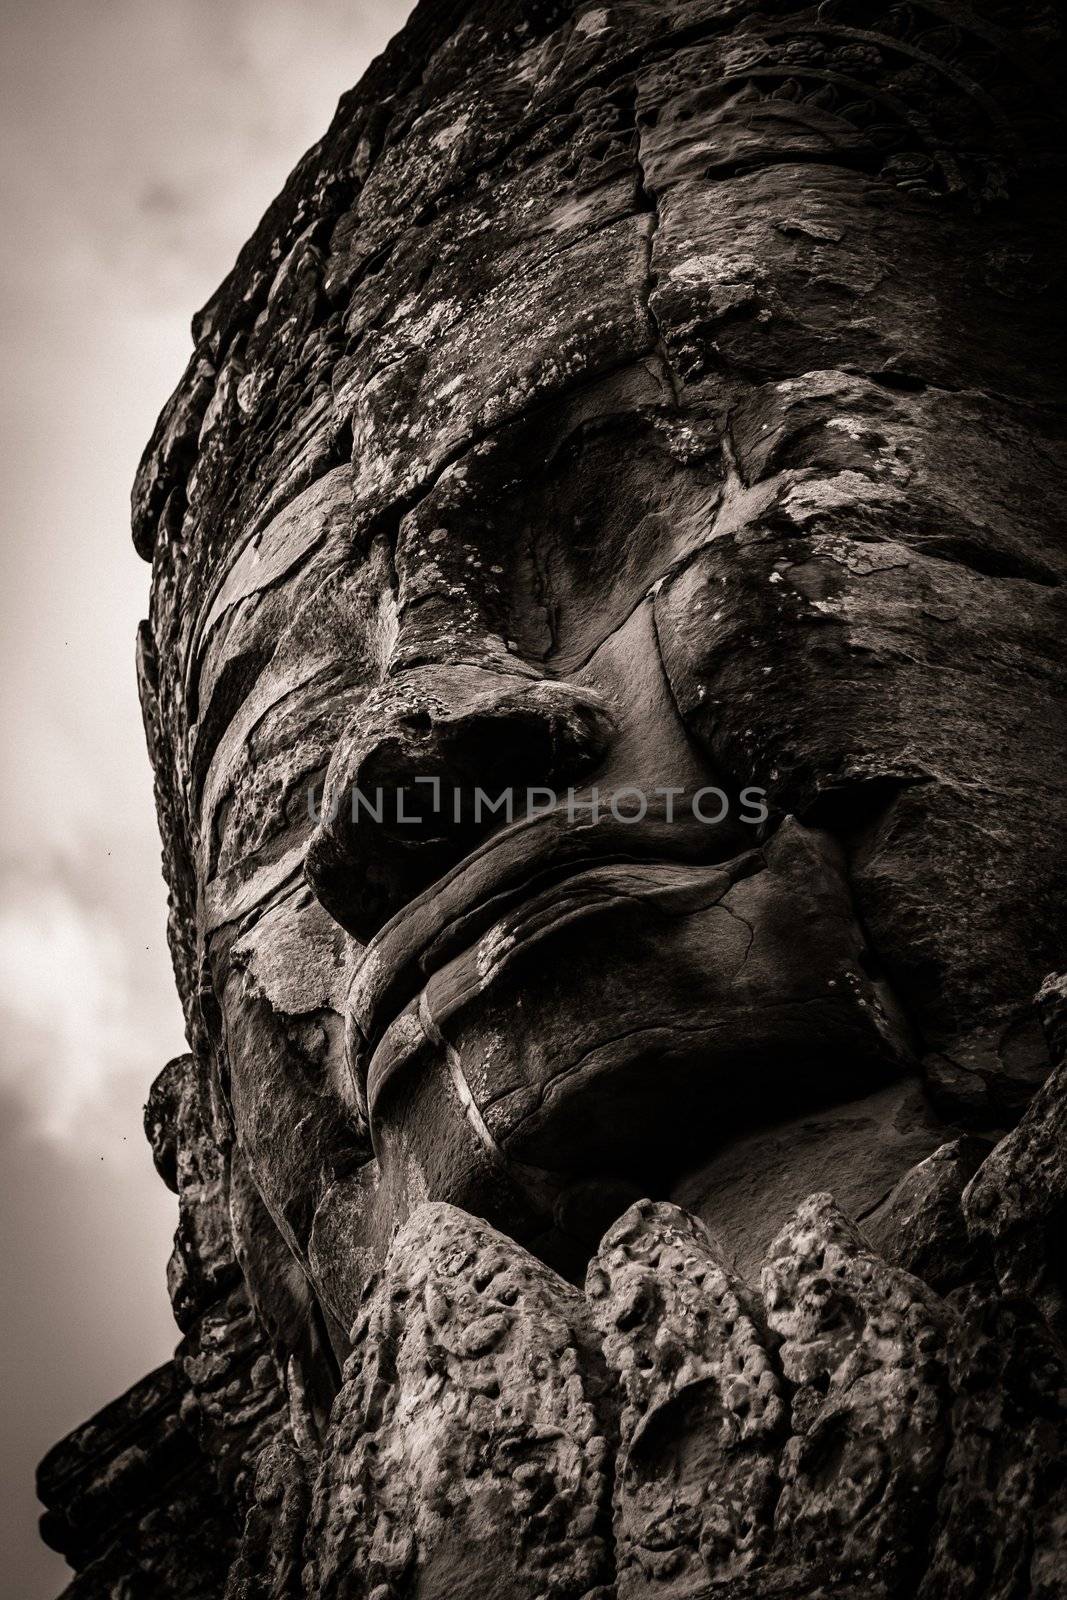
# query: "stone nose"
435, 760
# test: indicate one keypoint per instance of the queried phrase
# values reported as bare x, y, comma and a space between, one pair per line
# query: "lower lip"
520, 865
603, 892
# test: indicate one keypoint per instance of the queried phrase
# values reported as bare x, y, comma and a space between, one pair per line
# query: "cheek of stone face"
881, 653
280, 984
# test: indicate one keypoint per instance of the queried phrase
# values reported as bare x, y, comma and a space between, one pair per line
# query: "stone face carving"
602, 684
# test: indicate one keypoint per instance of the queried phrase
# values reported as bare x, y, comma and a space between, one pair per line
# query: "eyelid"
229, 692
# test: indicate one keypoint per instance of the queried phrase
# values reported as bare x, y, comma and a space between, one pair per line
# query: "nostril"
516, 745
400, 804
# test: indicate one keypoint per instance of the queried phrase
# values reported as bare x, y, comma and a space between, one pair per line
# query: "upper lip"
522, 860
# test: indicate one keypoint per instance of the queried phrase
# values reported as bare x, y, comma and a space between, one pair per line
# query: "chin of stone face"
603, 677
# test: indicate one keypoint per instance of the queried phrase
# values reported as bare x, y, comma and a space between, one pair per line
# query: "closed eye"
232, 687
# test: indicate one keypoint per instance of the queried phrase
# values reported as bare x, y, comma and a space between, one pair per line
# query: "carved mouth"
531, 866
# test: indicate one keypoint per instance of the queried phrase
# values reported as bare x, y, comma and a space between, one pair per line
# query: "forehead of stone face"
471, 235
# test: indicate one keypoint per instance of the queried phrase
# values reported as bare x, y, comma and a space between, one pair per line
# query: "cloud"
70, 1040
209, 105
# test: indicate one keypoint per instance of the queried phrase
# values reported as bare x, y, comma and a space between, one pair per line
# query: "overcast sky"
141, 140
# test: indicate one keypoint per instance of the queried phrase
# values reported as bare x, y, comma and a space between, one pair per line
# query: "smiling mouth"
545, 871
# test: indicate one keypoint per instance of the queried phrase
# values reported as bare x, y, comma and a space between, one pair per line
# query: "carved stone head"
600, 603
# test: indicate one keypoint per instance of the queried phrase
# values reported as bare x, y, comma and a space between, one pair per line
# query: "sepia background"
141, 140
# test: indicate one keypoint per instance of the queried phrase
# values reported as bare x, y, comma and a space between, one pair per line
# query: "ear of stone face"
186, 1144
703, 1413
469, 1456
235, 1404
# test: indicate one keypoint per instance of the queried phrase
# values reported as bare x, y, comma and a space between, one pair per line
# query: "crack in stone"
648, 202
730, 912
